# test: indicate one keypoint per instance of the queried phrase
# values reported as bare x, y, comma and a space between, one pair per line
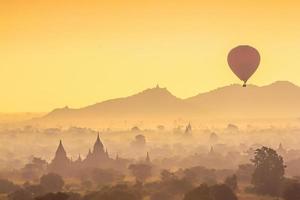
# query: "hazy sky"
75, 53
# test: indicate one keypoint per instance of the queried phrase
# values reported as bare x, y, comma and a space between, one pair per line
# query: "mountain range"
280, 99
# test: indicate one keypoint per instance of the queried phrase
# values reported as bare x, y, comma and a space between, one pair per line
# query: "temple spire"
212, 150
60, 162
89, 153
60, 152
79, 158
98, 146
281, 150
148, 158
188, 129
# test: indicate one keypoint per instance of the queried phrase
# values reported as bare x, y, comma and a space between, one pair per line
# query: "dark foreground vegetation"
196, 183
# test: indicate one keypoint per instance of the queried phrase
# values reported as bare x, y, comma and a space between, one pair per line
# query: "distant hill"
148, 102
277, 100
18, 117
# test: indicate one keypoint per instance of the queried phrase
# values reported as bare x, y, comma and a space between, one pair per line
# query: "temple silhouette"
98, 158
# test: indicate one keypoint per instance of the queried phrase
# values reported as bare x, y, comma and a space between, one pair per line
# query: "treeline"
266, 173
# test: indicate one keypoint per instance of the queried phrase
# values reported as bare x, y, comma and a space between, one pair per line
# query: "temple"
188, 129
61, 163
281, 150
148, 158
98, 158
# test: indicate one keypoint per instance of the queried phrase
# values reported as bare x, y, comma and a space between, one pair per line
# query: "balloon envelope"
243, 61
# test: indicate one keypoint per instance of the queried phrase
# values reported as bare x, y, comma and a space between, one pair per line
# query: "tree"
231, 181
269, 171
139, 141
118, 192
222, 192
52, 182
140, 171
87, 184
169, 187
135, 129
54, 196
199, 174
177, 186
34, 169
199, 193
21, 194
35, 190
166, 175
292, 191
245, 172
105, 176
215, 192
161, 196
7, 186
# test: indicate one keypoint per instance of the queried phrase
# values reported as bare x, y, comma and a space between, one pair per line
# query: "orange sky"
57, 53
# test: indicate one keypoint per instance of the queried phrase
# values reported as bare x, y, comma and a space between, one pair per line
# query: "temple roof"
98, 146
79, 158
60, 150
148, 158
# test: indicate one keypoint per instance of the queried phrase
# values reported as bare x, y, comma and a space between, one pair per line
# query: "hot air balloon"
243, 61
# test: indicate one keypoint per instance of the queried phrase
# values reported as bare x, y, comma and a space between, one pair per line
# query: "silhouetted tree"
20, 194
222, 192
118, 192
199, 193
161, 195
232, 127
53, 196
166, 175
135, 129
34, 169
7, 186
215, 192
105, 176
245, 172
292, 191
269, 171
199, 174
140, 171
177, 186
74, 196
170, 187
87, 184
139, 141
231, 181
36, 190
160, 127
52, 182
